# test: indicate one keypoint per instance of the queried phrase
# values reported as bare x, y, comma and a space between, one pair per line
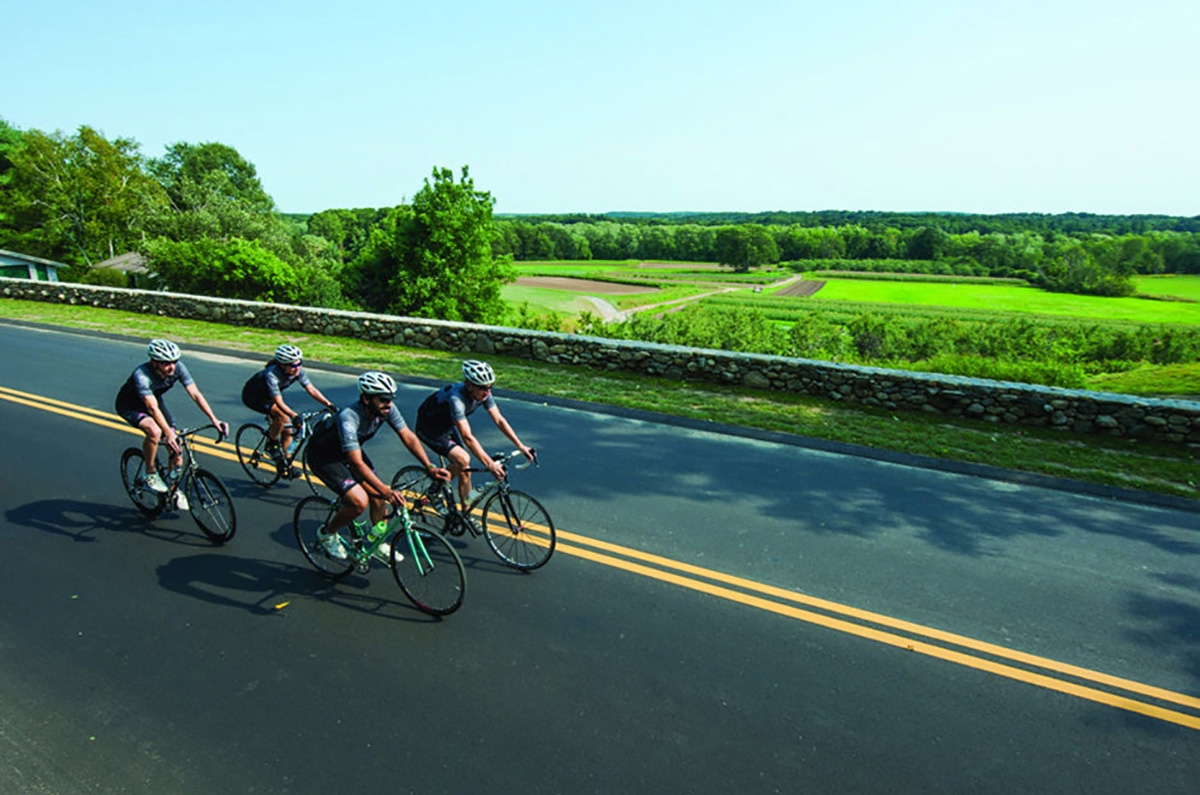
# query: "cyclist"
442, 424
336, 456
264, 393
139, 402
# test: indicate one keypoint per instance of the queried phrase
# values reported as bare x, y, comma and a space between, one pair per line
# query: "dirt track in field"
801, 288
581, 285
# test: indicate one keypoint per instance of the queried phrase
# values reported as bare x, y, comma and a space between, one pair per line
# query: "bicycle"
516, 527
251, 443
423, 563
208, 500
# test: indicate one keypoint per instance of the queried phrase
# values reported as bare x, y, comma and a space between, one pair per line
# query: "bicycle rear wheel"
315, 484
518, 529
430, 573
251, 444
211, 506
311, 515
133, 476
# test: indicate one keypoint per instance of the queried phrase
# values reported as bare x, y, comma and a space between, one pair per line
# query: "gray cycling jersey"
444, 408
269, 383
350, 429
143, 383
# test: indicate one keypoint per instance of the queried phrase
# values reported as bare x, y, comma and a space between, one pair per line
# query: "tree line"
204, 223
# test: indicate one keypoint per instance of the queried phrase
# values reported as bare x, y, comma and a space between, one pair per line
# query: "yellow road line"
576, 545
894, 623
909, 644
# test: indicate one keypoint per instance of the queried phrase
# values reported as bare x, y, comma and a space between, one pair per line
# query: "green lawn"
1169, 284
1009, 298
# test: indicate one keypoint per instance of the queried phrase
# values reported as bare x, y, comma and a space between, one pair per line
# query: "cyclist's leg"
280, 429
338, 478
174, 459
449, 446
459, 462
354, 502
153, 434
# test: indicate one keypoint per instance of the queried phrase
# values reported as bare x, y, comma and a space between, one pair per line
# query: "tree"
77, 198
10, 138
215, 194
218, 165
746, 246
434, 258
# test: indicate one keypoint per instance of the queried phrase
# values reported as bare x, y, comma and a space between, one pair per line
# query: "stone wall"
1077, 411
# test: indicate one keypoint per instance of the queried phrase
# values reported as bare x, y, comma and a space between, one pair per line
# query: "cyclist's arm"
507, 430
472, 444
415, 447
317, 396
370, 480
280, 404
195, 394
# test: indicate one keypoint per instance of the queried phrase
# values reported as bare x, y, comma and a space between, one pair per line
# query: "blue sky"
557, 107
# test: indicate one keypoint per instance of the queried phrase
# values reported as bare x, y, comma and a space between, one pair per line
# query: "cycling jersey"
260, 391
442, 410
142, 384
336, 435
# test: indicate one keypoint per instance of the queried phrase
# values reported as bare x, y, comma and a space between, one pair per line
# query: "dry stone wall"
1076, 411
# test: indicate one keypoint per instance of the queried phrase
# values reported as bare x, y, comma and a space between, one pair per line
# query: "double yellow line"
1113, 691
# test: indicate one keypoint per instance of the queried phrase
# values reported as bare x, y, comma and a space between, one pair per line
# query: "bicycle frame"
257, 462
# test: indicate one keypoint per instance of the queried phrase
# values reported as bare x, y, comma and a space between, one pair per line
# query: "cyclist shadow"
266, 587
84, 521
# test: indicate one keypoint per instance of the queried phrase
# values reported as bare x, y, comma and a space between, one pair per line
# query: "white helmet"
288, 354
162, 351
478, 373
375, 383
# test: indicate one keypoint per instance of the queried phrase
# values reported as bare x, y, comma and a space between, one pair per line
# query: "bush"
233, 268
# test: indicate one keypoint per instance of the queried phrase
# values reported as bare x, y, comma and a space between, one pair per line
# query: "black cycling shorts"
336, 473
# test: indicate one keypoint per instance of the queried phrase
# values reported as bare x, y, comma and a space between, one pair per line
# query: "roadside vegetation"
1165, 469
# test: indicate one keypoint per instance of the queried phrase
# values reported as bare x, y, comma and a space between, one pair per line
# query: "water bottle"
377, 531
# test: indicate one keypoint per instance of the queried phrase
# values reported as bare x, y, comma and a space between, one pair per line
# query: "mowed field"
1028, 300
564, 294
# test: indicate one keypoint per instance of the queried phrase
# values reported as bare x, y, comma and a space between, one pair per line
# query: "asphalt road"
723, 615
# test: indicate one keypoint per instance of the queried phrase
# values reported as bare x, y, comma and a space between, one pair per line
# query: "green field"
1187, 286
1011, 298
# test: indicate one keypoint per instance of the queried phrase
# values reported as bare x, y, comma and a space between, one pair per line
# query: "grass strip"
1127, 463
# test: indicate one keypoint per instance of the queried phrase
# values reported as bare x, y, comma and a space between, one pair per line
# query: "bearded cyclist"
264, 393
139, 402
442, 424
336, 456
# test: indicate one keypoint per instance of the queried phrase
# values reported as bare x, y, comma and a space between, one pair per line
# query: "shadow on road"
86, 521
264, 587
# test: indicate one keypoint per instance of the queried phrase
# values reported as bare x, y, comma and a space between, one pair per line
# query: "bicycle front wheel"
311, 515
426, 497
518, 529
429, 571
133, 476
211, 506
251, 444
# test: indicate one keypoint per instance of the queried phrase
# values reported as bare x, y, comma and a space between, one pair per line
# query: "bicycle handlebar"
221, 433
503, 458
